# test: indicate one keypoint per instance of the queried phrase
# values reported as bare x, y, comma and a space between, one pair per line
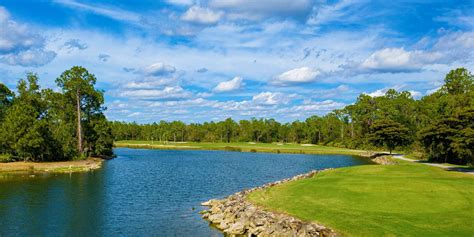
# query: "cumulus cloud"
202, 15
378, 93
27, 58
270, 98
399, 60
75, 44
159, 69
232, 85
20, 45
297, 76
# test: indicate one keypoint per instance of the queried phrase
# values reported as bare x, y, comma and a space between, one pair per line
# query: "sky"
206, 60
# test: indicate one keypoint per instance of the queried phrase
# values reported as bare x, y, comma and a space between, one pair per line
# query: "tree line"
44, 125
440, 124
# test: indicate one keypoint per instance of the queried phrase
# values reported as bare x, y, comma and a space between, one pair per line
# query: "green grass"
376, 200
242, 146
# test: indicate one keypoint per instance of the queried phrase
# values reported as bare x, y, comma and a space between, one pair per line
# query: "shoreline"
308, 150
234, 215
22, 167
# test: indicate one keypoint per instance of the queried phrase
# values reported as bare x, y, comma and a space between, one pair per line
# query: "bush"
5, 158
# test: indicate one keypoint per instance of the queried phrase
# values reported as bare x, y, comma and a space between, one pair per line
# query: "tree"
6, 97
458, 81
386, 132
26, 128
77, 85
450, 139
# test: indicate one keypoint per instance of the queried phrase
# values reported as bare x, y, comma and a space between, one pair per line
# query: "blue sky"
208, 60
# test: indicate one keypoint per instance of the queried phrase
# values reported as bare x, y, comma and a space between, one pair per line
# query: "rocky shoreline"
235, 216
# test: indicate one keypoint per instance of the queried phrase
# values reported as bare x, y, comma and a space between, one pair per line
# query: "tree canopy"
42, 125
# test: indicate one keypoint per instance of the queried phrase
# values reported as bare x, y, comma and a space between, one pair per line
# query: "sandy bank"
53, 167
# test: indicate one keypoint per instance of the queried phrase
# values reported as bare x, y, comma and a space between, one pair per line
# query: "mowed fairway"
242, 146
375, 200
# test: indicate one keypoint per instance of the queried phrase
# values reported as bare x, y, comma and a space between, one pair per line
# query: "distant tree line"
441, 124
44, 125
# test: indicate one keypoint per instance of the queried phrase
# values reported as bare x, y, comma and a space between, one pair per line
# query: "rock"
236, 229
223, 225
384, 160
216, 218
210, 202
236, 216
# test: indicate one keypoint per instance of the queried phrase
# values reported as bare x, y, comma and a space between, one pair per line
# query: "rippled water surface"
143, 192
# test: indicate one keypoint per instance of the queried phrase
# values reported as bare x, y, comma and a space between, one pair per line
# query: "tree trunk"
79, 125
352, 129
342, 133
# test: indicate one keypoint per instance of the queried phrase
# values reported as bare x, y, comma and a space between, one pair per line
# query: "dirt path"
446, 167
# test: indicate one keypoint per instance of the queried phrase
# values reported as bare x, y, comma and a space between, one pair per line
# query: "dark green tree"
26, 126
386, 132
6, 97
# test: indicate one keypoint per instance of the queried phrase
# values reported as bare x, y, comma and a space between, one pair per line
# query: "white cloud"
148, 83
415, 94
297, 75
399, 60
327, 13
114, 13
181, 2
168, 93
202, 15
20, 45
318, 106
31, 57
270, 98
232, 85
431, 91
159, 69
378, 93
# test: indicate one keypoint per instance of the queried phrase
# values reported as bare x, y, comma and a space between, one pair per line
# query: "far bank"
290, 148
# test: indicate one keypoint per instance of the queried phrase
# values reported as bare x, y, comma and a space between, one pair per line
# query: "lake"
143, 192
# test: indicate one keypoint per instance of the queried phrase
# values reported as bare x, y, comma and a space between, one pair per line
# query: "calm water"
143, 192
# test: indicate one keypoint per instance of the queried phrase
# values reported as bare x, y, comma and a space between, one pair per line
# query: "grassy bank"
242, 146
374, 200
52, 167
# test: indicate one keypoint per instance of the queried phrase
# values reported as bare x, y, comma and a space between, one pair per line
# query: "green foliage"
386, 132
451, 139
6, 97
41, 125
